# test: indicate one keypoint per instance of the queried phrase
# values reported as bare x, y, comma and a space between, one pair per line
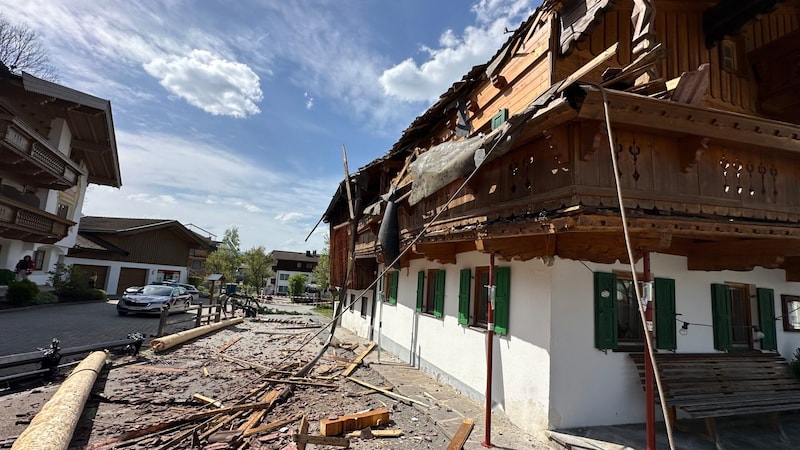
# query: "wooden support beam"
351, 422
792, 267
352, 367
522, 247
742, 254
461, 436
302, 438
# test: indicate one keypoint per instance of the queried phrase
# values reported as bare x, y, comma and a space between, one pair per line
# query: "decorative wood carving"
741, 254
692, 148
791, 264
643, 20
522, 248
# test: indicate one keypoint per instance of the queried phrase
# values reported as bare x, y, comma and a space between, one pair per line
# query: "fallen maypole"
53, 426
167, 342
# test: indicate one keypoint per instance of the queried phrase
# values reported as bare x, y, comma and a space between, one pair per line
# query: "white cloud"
290, 217
412, 82
209, 82
195, 181
309, 100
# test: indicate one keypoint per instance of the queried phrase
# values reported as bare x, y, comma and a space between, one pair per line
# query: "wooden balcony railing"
26, 223
26, 152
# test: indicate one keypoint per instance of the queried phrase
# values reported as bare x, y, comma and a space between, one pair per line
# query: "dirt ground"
137, 392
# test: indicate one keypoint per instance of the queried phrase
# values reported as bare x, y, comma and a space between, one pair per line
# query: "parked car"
190, 289
153, 298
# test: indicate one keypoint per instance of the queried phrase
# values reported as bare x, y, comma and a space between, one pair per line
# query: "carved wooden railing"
21, 221
58, 170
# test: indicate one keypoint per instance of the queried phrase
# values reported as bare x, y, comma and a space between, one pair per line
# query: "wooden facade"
719, 166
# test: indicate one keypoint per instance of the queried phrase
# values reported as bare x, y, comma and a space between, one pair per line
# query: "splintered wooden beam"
368, 433
302, 438
402, 398
208, 400
458, 441
351, 422
357, 361
228, 345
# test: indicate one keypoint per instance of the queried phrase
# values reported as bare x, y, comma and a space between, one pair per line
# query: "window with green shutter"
420, 290
438, 294
766, 318
394, 279
605, 311
502, 300
721, 317
666, 332
465, 279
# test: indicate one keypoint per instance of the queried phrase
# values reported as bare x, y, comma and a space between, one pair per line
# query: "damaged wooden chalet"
514, 169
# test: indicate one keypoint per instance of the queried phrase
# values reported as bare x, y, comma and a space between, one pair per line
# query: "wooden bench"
710, 385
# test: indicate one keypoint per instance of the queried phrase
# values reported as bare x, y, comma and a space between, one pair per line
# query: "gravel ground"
136, 392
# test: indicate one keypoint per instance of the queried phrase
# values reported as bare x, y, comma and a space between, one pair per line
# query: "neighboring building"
127, 252
54, 141
288, 264
512, 169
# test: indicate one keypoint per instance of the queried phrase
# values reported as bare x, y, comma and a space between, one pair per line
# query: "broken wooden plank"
208, 400
350, 422
347, 372
228, 345
402, 398
272, 425
302, 438
461, 436
229, 409
370, 391
256, 417
157, 368
368, 433
300, 382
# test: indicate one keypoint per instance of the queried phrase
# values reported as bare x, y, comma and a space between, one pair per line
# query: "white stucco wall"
590, 387
547, 373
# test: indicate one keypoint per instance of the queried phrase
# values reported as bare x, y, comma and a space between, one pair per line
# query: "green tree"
259, 267
226, 258
322, 272
297, 284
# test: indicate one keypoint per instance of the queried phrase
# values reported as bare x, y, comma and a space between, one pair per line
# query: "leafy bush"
22, 293
71, 284
794, 364
7, 277
46, 298
195, 281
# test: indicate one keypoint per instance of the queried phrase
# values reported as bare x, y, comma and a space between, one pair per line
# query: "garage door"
130, 277
101, 271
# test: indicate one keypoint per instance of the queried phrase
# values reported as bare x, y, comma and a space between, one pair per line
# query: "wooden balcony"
30, 224
25, 152
776, 69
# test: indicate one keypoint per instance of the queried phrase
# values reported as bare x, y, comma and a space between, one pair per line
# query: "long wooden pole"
487, 441
53, 426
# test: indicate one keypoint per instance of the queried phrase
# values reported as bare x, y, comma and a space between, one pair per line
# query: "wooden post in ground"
162, 321
199, 319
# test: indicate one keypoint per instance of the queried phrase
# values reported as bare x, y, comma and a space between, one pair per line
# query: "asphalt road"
29, 329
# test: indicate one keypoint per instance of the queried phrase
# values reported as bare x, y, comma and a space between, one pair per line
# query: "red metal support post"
487, 441
649, 377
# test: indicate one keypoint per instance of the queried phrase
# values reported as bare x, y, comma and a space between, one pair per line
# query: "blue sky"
234, 113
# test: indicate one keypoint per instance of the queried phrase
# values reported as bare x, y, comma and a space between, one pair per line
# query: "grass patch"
325, 310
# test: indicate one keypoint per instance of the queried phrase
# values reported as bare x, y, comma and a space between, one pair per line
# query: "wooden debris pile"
246, 392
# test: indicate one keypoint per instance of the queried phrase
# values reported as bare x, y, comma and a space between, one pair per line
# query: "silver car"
152, 299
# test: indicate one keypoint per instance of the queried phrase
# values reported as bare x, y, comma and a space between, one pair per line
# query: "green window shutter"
420, 289
605, 310
393, 282
766, 318
502, 281
666, 336
463, 296
721, 316
438, 297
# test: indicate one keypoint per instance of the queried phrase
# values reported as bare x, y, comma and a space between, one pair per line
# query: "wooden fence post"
199, 315
162, 321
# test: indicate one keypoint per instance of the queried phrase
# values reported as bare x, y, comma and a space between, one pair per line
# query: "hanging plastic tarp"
389, 232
